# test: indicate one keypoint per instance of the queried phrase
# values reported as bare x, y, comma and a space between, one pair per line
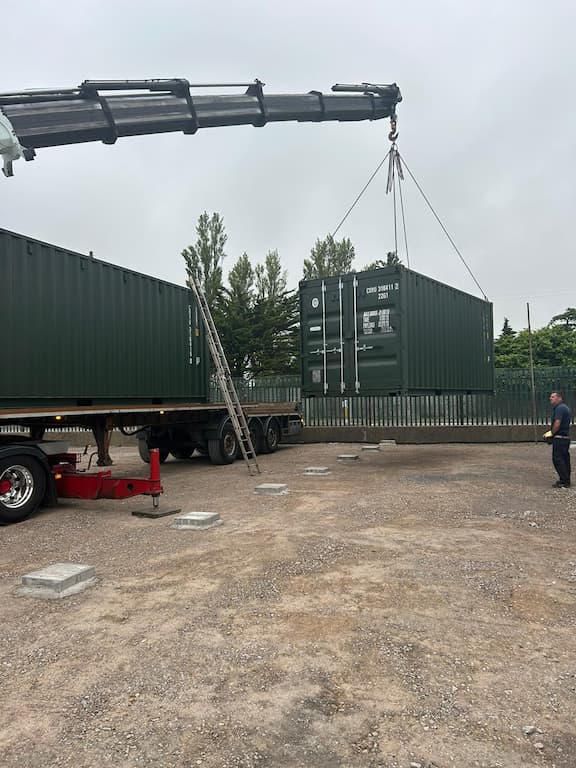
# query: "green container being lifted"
81, 332
390, 331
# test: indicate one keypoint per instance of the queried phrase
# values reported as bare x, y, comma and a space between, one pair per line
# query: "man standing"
560, 437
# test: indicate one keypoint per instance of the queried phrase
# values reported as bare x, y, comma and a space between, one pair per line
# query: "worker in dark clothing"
559, 435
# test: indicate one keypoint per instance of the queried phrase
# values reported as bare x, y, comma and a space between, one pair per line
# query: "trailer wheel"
223, 449
22, 487
256, 437
144, 452
271, 439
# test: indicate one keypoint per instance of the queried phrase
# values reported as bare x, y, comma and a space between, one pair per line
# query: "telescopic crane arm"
105, 110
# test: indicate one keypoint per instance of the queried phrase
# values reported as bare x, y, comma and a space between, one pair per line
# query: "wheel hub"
16, 486
5, 487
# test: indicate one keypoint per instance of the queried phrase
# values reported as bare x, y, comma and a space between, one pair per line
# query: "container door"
321, 312
374, 362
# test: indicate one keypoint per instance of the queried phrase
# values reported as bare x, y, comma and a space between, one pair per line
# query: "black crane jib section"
109, 109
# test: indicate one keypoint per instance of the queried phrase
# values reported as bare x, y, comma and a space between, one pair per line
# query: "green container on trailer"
81, 332
392, 330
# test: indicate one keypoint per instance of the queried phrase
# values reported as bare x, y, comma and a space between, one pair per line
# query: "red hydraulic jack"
72, 484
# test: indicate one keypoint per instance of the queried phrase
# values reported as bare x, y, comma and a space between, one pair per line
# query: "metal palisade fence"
511, 403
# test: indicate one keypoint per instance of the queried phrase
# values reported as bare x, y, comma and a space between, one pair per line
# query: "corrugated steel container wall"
79, 331
393, 330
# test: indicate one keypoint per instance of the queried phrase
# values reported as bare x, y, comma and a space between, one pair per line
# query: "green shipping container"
393, 330
80, 332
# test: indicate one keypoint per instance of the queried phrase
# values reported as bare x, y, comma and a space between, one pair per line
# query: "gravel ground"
412, 609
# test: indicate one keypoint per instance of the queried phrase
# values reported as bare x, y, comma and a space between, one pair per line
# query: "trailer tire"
271, 439
223, 449
256, 437
144, 452
28, 485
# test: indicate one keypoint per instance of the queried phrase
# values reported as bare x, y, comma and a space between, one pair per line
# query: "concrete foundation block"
387, 443
316, 471
197, 521
348, 457
272, 489
370, 447
58, 580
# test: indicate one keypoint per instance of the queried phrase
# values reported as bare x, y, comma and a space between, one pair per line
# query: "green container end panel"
392, 330
84, 332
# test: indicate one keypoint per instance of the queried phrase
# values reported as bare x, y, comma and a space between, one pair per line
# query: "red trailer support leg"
72, 484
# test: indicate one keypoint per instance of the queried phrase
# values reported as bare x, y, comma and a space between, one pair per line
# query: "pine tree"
275, 320
236, 317
507, 329
329, 258
204, 259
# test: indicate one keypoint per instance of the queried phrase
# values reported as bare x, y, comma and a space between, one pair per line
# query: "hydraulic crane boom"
109, 109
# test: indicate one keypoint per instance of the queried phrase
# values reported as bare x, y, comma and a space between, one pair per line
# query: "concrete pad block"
370, 447
316, 471
387, 443
348, 457
197, 521
58, 580
272, 489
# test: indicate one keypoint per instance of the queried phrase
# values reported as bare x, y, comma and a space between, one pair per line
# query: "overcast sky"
487, 126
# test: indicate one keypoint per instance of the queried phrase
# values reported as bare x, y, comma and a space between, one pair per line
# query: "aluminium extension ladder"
224, 376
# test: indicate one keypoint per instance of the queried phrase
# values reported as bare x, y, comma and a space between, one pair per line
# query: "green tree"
329, 258
276, 335
236, 321
555, 346
204, 259
551, 346
507, 329
392, 259
511, 351
566, 319
507, 352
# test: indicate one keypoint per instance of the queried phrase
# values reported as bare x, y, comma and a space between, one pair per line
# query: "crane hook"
393, 135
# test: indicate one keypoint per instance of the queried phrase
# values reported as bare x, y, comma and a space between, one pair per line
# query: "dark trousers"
561, 458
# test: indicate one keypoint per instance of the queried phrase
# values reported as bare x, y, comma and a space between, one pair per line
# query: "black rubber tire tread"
144, 452
256, 438
256, 434
271, 439
217, 450
9, 516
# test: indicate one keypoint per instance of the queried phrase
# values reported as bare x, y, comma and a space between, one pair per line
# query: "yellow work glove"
547, 435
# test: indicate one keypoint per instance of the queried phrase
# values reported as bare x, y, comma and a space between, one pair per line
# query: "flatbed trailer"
36, 470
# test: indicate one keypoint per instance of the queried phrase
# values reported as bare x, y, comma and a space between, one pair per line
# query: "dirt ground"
413, 608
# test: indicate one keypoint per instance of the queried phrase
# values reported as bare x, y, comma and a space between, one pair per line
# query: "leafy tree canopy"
392, 258
566, 319
204, 259
328, 258
507, 329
